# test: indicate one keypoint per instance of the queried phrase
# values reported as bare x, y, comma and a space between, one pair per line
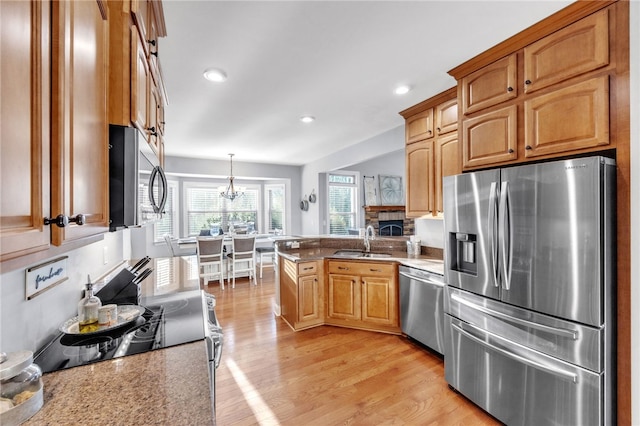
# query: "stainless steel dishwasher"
421, 307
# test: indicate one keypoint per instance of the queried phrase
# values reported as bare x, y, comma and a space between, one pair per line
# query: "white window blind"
275, 207
169, 222
342, 196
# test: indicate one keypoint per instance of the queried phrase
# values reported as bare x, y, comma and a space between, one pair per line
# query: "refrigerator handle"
504, 235
493, 218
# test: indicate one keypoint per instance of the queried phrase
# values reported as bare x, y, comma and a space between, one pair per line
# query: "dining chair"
263, 253
211, 259
242, 257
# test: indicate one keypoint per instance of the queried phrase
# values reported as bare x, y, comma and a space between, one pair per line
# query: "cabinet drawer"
362, 268
307, 268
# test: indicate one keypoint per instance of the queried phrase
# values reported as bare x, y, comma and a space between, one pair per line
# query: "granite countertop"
427, 263
165, 386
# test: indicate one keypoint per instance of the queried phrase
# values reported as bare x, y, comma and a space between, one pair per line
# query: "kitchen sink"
360, 254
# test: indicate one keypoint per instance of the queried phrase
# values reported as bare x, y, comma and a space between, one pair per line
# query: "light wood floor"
271, 375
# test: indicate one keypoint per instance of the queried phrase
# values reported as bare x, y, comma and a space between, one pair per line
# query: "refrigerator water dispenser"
463, 256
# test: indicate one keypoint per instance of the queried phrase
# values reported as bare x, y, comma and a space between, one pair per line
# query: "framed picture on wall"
370, 191
391, 190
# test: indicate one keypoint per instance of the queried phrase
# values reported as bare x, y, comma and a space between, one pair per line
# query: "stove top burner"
147, 332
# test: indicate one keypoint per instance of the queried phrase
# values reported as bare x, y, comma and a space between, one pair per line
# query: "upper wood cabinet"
574, 50
79, 126
420, 126
54, 145
137, 93
490, 85
549, 98
25, 42
429, 158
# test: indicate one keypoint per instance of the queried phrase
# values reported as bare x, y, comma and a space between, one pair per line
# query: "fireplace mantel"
384, 208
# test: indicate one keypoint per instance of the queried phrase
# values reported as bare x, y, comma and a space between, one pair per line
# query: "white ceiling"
336, 60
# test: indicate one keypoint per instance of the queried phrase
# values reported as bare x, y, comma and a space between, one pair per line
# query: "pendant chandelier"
229, 192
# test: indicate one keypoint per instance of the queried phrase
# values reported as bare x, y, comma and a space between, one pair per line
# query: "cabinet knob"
509, 89
510, 150
152, 131
61, 220
438, 129
151, 42
527, 82
528, 147
429, 131
154, 54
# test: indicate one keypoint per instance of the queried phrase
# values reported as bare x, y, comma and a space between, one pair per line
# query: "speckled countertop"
321, 248
162, 387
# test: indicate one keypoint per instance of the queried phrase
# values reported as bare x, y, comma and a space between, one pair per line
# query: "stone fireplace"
388, 220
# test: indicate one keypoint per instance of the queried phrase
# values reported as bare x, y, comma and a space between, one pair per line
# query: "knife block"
121, 290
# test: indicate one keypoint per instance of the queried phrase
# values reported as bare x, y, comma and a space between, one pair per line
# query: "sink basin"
360, 254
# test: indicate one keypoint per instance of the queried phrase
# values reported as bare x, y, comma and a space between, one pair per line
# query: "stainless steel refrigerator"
530, 297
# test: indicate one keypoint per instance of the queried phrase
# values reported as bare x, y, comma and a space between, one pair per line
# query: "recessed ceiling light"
401, 90
307, 119
215, 74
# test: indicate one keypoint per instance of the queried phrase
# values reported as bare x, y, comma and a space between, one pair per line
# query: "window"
169, 222
206, 209
275, 207
342, 196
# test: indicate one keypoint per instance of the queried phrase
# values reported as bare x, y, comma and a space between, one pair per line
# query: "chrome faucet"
369, 233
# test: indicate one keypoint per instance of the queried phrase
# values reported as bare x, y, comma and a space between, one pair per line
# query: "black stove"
169, 319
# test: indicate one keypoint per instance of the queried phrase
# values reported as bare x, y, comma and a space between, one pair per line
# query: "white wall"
345, 159
634, 28
29, 324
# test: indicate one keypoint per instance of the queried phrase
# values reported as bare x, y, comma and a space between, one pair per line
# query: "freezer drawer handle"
561, 373
422, 279
572, 334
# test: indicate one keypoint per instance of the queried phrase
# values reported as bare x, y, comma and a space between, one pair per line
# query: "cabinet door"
79, 132
490, 138
419, 126
574, 50
141, 11
154, 106
420, 174
309, 308
568, 119
446, 117
24, 133
490, 85
447, 159
379, 301
139, 85
344, 297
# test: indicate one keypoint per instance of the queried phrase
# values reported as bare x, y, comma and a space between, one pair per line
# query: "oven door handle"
539, 366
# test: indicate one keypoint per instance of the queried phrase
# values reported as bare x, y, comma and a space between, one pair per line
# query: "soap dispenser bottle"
88, 310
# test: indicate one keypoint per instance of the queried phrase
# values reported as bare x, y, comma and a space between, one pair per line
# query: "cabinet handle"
343, 268
528, 147
152, 131
509, 89
151, 42
154, 54
527, 82
510, 151
375, 270
61, 220
307, 268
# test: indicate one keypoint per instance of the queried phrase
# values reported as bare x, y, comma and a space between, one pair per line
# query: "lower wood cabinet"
363, 295
301, 293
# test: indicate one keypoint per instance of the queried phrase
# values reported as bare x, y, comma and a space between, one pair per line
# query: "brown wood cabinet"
430, 155
79, 126
547, 99
54, 131
137, 90
301, 293
363, 295
24, 134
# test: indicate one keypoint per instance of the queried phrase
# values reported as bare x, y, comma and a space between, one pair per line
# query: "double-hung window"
275, 208
343, 207
169, 222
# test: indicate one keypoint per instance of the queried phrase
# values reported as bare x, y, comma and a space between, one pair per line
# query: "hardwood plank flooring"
271, 375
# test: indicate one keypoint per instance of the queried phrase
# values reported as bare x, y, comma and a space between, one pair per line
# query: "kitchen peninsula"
335, 281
